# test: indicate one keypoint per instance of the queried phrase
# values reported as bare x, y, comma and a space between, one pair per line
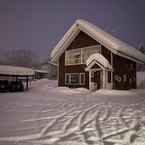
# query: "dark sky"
40, 24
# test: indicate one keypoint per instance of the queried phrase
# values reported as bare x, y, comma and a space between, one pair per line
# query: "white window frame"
73, 50
69, 81
98, 46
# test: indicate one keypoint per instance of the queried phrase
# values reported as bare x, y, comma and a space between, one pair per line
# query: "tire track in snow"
81, 128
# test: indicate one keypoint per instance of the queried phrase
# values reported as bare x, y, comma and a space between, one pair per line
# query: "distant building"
90, 57
46, 70
40, 74
52, 70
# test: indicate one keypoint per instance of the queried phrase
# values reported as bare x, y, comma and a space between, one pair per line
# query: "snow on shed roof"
15, 70
115, 45
40, 71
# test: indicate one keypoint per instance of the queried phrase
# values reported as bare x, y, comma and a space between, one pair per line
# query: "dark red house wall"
121, 67
82, 40
61, 74
106, 53
78, 69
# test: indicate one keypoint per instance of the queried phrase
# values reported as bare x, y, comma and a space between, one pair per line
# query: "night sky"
39, 24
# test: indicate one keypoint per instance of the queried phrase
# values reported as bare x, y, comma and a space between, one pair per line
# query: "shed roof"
115, 45
40, 71
15, 70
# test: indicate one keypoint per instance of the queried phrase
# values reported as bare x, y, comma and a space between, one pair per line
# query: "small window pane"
73, 57
86, 52
75, 79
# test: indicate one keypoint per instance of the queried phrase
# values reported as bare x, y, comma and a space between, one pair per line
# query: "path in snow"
59, 116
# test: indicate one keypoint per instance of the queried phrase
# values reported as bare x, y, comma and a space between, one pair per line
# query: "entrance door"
95, 80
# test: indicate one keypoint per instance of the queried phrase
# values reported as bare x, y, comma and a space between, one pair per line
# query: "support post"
104, 79
89, 79
27, 81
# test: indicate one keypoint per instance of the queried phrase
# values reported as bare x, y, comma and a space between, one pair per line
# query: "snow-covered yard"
47, 115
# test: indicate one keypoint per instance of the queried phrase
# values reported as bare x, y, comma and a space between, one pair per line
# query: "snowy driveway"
49, 115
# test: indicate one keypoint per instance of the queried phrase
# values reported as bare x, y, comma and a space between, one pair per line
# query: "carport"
16, 73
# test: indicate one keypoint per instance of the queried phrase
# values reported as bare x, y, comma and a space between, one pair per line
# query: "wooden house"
91, 58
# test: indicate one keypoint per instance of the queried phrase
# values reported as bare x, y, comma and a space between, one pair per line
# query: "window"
75, 78
86, 52
80, 55
124, 78
73, 57
109, 77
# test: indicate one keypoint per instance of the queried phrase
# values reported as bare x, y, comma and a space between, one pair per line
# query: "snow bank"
70, 91
66, 116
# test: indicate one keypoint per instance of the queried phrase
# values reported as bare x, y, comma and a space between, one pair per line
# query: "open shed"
15, 74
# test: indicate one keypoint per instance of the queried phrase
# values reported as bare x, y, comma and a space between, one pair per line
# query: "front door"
95, 83
97, 79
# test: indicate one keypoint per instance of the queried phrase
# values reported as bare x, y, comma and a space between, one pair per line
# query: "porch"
100, 72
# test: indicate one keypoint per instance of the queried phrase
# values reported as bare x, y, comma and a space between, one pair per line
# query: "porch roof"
98, 59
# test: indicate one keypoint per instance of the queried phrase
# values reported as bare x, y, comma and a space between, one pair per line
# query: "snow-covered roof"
15, 70
100, 59
115, 45
40, 71
52, 63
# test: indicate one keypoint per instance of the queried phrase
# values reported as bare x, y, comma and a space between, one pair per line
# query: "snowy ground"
48, 115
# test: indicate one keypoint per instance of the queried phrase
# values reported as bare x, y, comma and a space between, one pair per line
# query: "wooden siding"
122, 67
61, 75
82, 40
78, 69
106, 53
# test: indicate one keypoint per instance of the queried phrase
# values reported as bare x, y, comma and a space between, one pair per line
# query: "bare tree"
19, 57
